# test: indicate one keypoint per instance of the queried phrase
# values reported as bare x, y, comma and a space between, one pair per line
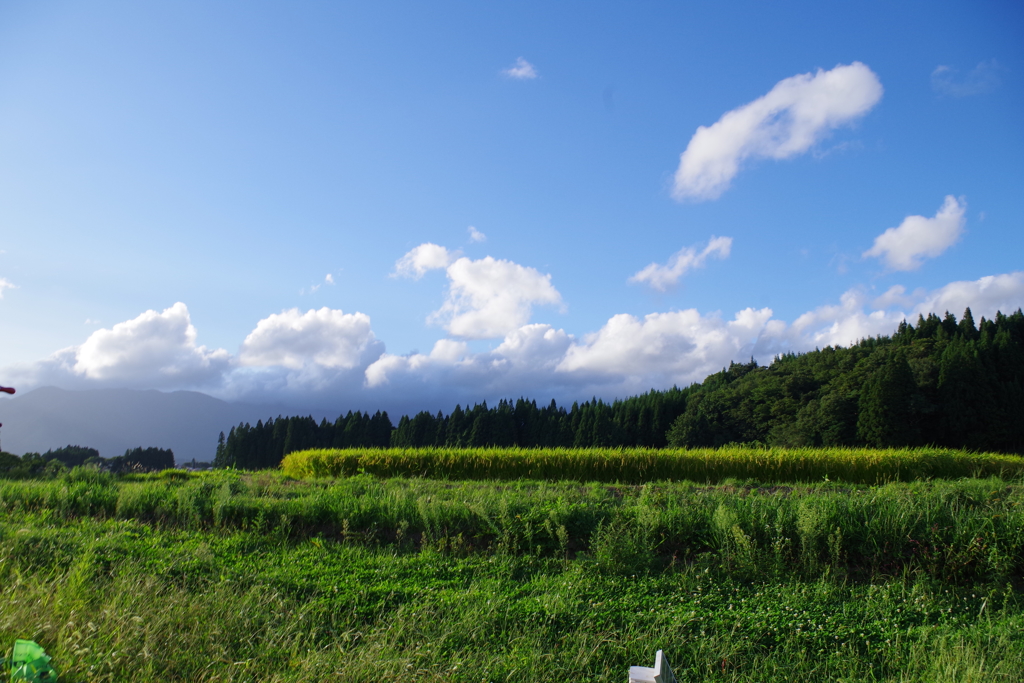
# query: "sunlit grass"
637, 465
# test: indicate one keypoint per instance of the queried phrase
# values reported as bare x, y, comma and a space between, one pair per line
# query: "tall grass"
133, 604
961, 530
229, 576
638, 465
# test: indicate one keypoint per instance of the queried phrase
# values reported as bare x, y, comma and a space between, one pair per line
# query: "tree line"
56, 460
640, 420
941, 381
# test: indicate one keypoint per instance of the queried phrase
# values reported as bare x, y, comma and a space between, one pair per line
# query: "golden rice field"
637, 465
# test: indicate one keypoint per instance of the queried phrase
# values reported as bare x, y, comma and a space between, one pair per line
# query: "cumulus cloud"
329, 279
490, 297
905, 247
837, 324
427, 256
154, 345
523, 364
982, 79
673, 347
154, 350
985, 296
446, 353
522, 70
329, 338
797, 113
661, 277
475, 235
5, 284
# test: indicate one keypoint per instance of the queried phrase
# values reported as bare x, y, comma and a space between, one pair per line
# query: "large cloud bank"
796, 114
331, 358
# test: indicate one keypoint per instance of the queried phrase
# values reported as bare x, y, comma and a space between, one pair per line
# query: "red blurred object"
7, 390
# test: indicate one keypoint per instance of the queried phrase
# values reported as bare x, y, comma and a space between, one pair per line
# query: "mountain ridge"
114, 420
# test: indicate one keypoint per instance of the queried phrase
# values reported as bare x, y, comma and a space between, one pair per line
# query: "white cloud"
678, 347
894, 296
661, 277
984, 296
797, 113
982, 79
490, 297
522, 70
160, 347
329, 358
427, 256
629, 355
905, 247
329, 279
446, 353
152, 351
475, 235
5, 284
328, 338
838, 324
523, 364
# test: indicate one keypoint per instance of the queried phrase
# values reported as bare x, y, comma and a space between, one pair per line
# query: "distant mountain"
114, 420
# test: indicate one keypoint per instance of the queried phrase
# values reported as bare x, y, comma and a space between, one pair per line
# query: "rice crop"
639, 465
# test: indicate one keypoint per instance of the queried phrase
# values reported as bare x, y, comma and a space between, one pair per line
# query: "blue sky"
178, 181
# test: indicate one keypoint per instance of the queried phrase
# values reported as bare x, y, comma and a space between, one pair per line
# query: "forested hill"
942, 381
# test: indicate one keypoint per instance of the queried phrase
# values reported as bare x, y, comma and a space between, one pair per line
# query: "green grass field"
230, 576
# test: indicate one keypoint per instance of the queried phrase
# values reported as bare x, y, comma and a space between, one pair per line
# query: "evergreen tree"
886, 416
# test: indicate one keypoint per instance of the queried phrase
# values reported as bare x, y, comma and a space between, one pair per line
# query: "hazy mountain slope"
113, 420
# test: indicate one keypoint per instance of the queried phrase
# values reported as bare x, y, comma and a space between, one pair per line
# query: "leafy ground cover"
638, 465
234, 577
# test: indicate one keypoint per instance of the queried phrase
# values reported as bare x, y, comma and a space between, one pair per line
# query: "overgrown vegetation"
233, 577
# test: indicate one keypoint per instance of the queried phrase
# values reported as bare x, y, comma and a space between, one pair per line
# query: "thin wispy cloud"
475, 235
522, 70
982, 79
795, 115
5, 284
906, 246
661, 277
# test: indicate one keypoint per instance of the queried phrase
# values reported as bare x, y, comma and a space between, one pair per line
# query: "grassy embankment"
234, 577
